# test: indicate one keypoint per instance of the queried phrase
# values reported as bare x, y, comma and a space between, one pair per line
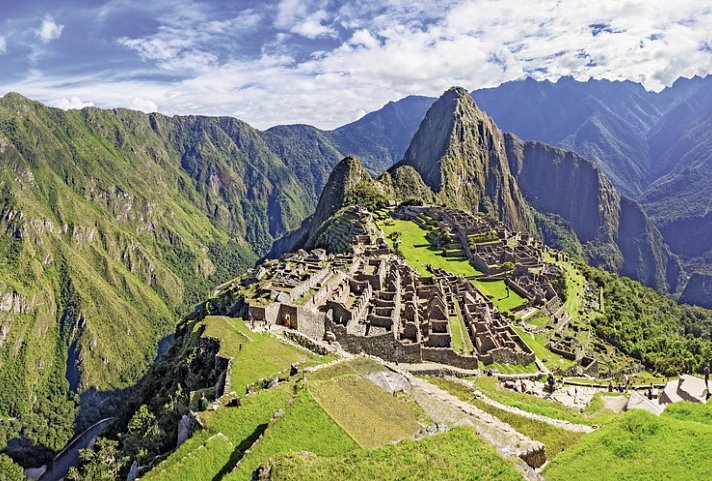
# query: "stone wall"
448, 356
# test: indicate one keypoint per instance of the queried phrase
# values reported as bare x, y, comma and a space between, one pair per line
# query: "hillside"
114, 223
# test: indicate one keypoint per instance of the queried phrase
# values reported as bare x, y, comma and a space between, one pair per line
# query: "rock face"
614, 229
698, 290
186, 426
459, 153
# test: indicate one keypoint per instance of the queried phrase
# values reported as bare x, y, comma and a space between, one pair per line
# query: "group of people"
264, 322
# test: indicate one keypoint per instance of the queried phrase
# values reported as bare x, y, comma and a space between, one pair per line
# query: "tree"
9, 471
144, 435
100, 464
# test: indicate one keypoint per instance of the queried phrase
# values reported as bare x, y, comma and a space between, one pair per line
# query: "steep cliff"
614, 230
114, 222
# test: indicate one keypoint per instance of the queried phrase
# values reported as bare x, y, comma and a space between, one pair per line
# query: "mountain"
460, 155
380, 138
679, 201
113, 223
603, 121
469, 163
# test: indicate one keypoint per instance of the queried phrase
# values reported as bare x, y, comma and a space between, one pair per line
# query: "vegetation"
638, 445
370, 416
490, 387
665, 336
9, 471
457, 454
304, 427
99, 464
555, 440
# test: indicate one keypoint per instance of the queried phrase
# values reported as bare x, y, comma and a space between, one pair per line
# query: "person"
524, 387
240, 347
550, 381
610, 386
203, 403
650, 392
707, 376
620, 387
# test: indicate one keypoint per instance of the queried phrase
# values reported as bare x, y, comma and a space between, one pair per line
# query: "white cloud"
71, 103
388, 49
49, 30
313, 27
3, 44
144, 105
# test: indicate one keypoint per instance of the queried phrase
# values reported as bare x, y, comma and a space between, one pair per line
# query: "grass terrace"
555, 440
639, 446
593, 414
262, 355
305, 426
497, 291
457, 454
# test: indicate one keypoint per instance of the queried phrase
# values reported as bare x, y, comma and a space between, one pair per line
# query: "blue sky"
327, 62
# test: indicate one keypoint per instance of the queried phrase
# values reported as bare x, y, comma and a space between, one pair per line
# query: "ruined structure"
370, 301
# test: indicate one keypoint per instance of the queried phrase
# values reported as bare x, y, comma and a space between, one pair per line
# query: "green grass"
489, 386
262, 356
687, 411
241, 426
497, 292
537, 344
370, 415
539, 321
304, 427
513, 368
638, 446
458, 454
204, 462
418, 252
555, 440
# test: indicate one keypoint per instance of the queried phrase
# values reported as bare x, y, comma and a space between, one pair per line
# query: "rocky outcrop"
698, 290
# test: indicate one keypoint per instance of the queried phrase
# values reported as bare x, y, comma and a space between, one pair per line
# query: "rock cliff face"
698, 290
614, 230
459, 153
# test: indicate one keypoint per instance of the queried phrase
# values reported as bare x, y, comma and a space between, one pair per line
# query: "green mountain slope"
113, 224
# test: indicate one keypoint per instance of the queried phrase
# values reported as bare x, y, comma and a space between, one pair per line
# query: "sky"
328, 62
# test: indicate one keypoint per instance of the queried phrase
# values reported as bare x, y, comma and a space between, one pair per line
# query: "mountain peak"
459, 152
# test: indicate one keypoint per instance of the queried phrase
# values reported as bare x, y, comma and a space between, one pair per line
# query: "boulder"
186, 426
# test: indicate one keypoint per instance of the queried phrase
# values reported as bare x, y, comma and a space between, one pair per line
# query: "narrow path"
558, 423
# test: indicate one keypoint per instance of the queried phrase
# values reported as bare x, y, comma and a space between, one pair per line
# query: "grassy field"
513, 368
555, 440
370, 415
497, 291
638, 446
461, 341
687, 411
418, 253
458, 454
261, 356
240, 426
204, 462
304, 427
537, 344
